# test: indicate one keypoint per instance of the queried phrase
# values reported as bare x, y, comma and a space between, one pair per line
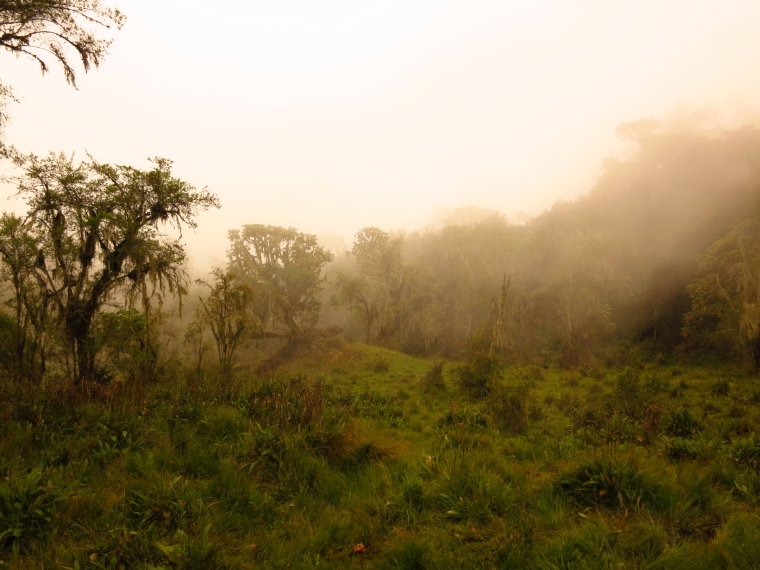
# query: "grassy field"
362, 457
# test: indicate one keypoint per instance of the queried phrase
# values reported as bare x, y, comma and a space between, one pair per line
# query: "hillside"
351, 458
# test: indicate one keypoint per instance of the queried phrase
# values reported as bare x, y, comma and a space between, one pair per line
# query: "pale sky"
331, 116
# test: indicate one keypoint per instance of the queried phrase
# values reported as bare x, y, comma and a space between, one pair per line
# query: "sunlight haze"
333, 116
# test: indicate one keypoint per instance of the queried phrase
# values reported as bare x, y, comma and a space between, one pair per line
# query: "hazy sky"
330, 116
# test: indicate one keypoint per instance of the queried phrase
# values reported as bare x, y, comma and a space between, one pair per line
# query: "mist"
342, 117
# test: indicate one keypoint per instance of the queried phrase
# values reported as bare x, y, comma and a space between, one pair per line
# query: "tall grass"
308, 469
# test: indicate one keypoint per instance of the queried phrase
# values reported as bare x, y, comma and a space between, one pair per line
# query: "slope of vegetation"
363, 457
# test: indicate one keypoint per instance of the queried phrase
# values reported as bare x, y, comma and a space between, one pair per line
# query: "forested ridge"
634, 259
659, 256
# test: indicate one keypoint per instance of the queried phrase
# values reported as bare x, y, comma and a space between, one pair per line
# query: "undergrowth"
386, 461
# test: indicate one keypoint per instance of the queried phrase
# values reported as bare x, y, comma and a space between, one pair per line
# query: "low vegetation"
368, 458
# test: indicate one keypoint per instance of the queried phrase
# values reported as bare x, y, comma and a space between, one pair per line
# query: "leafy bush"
462, 416
588, 418
292, 404
534, 373
433, 379
682, 424
568, 402
721, 387
475, 378
468, 494
680, 448
509, 407
185, 551
619, 429
608, 483
745, 451
410, 555
629, 394
28, 504
164, 506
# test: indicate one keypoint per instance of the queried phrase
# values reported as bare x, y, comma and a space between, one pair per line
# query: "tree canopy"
285, 267
56, 32
97, 226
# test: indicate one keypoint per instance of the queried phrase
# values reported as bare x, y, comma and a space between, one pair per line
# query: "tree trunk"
754, 346
78, 324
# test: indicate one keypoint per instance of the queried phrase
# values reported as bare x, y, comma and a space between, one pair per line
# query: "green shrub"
568, 402
379, 365
609, 483
629, 395
166, 506
476, 377
645, 541
681, 448
587, 548
509, 407
745, 451
433, 379
288, 404
619, 429
410, 499
465, 493
183, 550
721, 387
740, 540
28, 503
534, 373
682, 424
462, 416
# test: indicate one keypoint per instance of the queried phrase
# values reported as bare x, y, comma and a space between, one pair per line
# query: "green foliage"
482, 370
293, 469
724, 294
28, 504
183, 551
411, 555
473, 495
721, 387
433, 380
745, 451
682, 424
682, 448
98, 230
629, 394
509, 407
609, 483
620, 429
44, 31
284, 267
225, 311
8, 331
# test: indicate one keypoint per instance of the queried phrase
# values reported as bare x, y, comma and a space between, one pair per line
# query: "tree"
354, 295
725, 294
98, 229
30, 304
55, 30
382, 269
195, 339
121, 335
225, 310
284, 267
749, 288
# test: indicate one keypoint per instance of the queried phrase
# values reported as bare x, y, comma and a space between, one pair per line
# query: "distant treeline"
662, 256
662, 251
